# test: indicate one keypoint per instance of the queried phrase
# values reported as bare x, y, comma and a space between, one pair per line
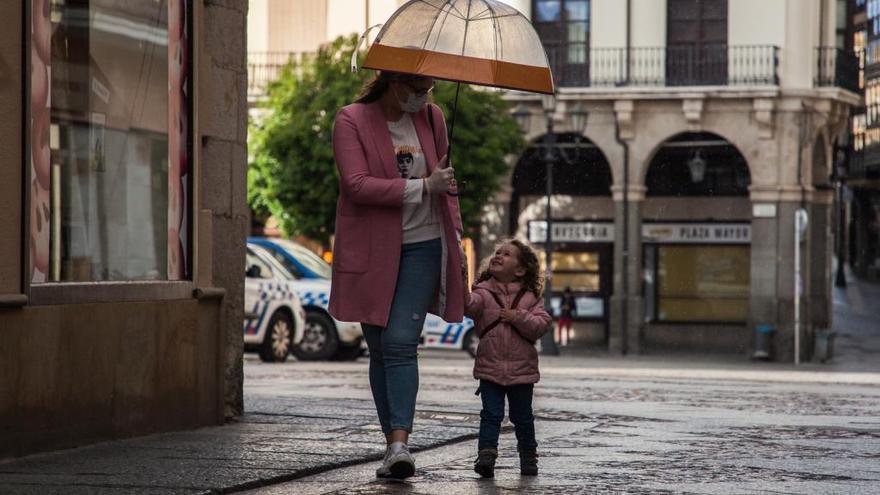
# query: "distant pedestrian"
567, 312
509, 313
397, 249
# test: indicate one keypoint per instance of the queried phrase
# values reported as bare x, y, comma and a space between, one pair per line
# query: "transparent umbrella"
484, 42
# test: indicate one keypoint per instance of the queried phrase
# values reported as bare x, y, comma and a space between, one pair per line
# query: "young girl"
510, 317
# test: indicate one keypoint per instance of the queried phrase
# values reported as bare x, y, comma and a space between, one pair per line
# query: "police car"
324, 337
313, 275
438, 334
274, 320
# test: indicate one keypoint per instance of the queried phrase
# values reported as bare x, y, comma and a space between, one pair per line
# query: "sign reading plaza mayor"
697, 233
572, 231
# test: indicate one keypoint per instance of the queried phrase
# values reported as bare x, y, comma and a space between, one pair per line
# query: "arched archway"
585, 172
697, 232
582, 226
697, 164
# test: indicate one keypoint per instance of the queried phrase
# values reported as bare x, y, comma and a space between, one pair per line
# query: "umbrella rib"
440, 9
477, 17
496, 17
439, 13
462, 16
499, 54
467, 24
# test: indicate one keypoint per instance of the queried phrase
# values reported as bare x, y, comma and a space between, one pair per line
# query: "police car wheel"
276, 343
470, 343
319, 341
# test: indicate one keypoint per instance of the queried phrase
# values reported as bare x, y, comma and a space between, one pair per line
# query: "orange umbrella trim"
471, 70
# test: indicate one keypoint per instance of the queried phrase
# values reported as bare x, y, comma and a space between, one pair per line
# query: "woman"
397, 253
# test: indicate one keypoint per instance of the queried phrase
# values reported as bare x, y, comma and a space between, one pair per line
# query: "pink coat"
369, 217
507, 356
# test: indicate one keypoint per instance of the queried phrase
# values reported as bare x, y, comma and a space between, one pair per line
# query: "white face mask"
413, 103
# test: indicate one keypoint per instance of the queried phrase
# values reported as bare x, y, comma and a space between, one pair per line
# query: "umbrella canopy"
483, 42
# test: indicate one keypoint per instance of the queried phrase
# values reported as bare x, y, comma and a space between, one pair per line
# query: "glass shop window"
109, 144
576, 269
698, 283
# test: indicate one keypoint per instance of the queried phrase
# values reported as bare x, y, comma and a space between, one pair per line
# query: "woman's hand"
441, 180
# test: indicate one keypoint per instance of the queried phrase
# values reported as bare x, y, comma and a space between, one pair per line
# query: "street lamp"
577, 117
697, 166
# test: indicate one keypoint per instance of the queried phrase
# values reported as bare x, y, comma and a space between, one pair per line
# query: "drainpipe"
625, 253
624, 347
628, 39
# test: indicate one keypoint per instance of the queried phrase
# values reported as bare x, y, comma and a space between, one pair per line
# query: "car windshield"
306, 257
280, 270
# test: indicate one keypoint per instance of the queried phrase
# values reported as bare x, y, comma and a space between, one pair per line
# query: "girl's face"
504, 265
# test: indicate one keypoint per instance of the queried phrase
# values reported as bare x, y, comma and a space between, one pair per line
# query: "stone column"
773, 270
821, 249
221, 108
632, 304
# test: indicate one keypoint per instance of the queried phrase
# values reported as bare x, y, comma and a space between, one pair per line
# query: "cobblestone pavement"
631, 425
651, 427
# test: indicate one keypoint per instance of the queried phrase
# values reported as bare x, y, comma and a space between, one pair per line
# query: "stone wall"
222, 103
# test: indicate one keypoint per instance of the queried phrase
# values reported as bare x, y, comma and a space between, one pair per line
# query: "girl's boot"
528, 462
485, 463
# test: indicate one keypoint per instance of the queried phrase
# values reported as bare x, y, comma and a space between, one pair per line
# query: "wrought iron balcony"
265, 67
708, 65
836, 67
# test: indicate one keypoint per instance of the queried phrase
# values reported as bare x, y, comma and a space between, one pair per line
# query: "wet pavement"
653, 428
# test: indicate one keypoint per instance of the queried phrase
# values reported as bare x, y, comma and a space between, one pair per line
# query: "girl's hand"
507, 315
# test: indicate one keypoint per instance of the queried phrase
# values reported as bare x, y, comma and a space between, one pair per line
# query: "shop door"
696, 41
588, 269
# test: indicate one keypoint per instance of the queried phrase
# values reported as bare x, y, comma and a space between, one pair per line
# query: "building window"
109, 117
698, 283
564, 27
696, 40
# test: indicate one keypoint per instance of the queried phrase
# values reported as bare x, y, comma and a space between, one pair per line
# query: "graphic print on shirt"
405, 160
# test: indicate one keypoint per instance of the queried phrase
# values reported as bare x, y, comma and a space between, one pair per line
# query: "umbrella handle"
452, 133
357, 47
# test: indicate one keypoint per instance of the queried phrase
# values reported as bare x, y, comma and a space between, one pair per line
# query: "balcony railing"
265, 67
836, 67
707, 65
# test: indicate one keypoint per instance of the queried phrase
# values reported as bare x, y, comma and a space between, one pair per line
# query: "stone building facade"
710, 124
123, 185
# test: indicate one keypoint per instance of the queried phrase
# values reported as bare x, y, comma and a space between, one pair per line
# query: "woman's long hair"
532, 280
378, 85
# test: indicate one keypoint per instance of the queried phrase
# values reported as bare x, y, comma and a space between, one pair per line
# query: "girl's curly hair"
532, 280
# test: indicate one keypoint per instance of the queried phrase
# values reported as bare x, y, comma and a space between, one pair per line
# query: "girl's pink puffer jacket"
506, 354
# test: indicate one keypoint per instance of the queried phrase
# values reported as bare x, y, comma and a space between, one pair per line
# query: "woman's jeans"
520, 399
394, 371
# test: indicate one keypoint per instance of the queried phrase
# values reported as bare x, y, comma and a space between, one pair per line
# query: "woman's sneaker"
485, 463
400, 463
383, 471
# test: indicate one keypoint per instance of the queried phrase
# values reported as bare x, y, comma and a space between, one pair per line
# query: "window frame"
560, 58
55, 293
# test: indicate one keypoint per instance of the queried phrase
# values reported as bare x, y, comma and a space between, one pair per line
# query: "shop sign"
572, 231
697, 233
764, 210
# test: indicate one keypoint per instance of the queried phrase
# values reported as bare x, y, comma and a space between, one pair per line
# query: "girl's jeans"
394, 370
519, 397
